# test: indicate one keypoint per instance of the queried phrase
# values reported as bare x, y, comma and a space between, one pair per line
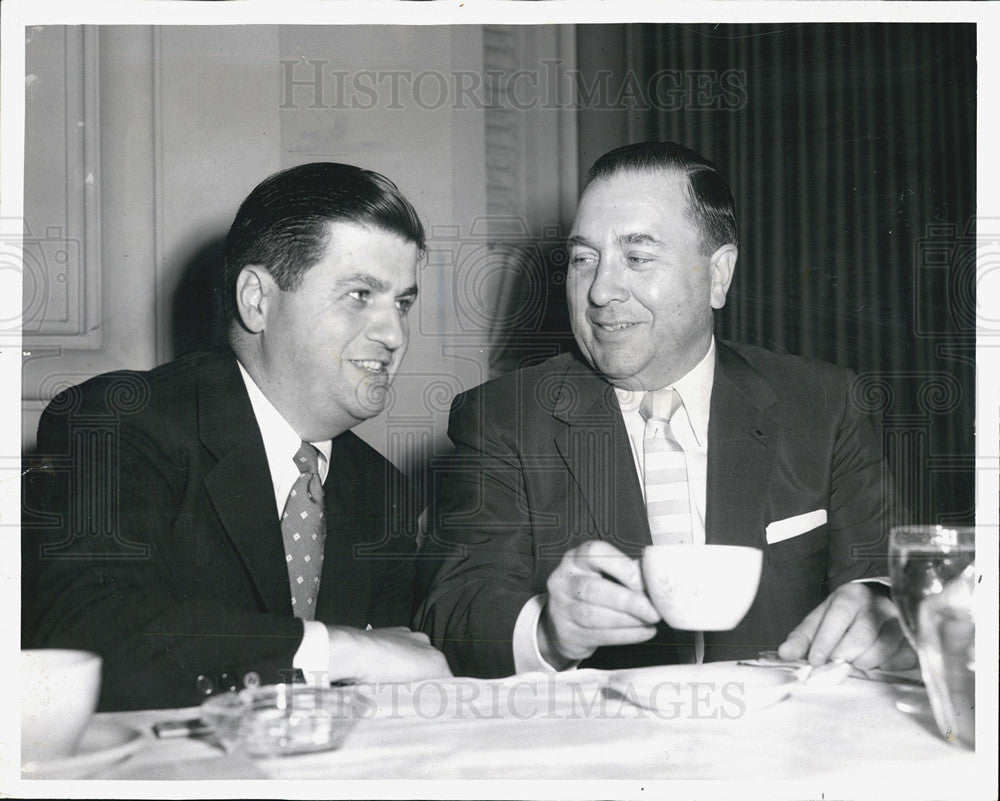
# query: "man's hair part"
711, 205
284, 224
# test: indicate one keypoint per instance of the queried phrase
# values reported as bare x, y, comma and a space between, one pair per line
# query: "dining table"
724, 725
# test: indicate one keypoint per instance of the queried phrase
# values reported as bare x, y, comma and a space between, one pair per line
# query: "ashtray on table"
281, 719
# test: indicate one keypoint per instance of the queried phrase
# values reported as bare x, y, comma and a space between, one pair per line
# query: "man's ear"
254, 288
722, 264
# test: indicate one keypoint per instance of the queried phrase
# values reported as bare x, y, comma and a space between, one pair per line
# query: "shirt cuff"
313, 655
879, 585
527, 657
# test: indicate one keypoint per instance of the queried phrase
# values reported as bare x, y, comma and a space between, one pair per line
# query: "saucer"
709, 691
103, 744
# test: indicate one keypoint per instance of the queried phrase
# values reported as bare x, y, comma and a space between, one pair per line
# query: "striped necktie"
668, 502
304, 532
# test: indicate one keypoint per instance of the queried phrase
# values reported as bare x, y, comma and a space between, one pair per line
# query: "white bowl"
701, 587
59, 692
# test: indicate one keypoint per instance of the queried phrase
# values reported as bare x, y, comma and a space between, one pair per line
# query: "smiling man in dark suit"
550, 496
214, 523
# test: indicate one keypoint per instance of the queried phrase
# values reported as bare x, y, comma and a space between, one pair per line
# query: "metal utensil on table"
170, 729
831, 670
826, 675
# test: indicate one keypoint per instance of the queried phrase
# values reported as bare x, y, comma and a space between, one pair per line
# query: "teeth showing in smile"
369, 366
616, 327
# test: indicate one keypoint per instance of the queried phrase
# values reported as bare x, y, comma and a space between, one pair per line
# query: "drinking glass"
933, 575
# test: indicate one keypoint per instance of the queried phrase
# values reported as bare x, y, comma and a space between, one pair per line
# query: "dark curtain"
851, 151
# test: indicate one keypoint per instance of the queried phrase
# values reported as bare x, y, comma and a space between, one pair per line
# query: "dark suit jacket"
151, 536
543, 463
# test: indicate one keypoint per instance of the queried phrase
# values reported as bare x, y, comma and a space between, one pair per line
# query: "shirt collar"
694, 389
281, 443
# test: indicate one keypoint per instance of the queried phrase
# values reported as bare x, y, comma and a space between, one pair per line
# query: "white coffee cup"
59, 693
701, 587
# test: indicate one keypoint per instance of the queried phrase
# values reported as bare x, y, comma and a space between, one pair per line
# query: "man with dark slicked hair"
550, 497
214, 523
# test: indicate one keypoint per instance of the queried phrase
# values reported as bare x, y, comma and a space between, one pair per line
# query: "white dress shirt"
280, 445
690, 425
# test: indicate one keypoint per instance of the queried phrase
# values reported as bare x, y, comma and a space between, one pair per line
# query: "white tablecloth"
567, 727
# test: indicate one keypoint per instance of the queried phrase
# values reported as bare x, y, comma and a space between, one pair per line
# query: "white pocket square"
781, 530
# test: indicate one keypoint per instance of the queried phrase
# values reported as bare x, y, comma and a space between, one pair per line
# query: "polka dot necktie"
668, 503
304, 532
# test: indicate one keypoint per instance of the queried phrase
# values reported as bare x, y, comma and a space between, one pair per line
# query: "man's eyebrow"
623, 239
639, 239
409, 292
368, 280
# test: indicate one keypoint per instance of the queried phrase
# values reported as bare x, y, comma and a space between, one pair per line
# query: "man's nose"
608, 284
388, 328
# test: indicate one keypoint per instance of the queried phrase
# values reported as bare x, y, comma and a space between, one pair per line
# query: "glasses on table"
932, 569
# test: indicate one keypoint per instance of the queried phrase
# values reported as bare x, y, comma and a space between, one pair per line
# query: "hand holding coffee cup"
701, 587
59, 693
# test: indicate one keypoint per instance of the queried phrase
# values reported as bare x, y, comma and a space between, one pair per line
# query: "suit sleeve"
480, 549
114, 590
395, 598
863, 503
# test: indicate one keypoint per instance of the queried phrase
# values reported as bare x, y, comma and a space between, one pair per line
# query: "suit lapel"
594, 444
239, 486
740, 434
345, 582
